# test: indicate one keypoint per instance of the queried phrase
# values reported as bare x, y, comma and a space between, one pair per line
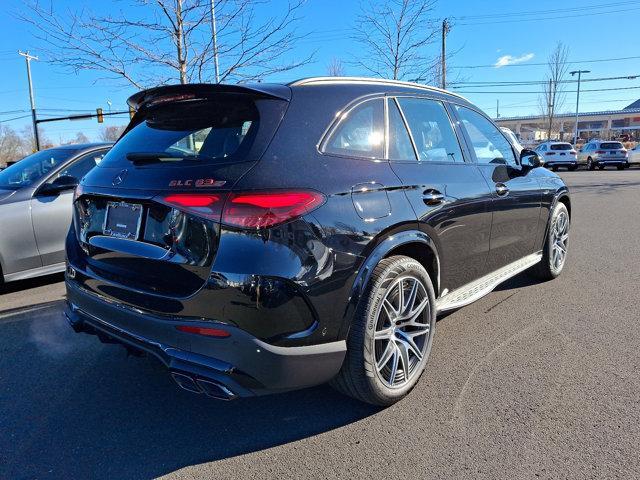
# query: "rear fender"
365, 271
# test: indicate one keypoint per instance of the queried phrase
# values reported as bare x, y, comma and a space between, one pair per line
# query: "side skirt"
477, 289
35, 272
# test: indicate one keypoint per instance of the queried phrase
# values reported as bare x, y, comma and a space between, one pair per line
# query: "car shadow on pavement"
20, 285
74, 408
524, 279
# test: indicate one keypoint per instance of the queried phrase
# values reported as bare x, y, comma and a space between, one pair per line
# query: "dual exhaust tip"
210, 388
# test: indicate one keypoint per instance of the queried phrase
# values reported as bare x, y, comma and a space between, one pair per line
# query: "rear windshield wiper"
155, 157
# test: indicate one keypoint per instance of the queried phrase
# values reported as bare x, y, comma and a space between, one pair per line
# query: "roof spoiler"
156, 95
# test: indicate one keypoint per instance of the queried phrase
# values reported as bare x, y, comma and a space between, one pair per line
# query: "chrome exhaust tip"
186, 382
215, 390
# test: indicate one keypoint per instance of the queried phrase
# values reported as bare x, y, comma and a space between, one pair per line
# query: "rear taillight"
600, 152
572, 152
77, 193
204, 205
257, 210
252, 210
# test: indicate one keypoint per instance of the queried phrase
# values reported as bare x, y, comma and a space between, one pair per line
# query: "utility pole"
443, 61
28, 59
214, 35
497, 108
579, 72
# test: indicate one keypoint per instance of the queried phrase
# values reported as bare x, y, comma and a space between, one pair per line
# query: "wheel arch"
412, 243
565, 199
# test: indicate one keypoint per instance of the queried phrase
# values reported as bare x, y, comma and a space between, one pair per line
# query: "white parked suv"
558, 154
634, 155
513, 138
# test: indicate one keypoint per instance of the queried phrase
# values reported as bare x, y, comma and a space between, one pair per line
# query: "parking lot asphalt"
535, 380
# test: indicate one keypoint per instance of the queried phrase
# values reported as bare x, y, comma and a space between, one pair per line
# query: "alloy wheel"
559, 238
402, 332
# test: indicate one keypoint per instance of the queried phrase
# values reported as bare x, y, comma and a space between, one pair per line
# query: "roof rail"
367, 81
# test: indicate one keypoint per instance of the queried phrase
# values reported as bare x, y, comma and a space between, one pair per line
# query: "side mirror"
60, 184
530, 159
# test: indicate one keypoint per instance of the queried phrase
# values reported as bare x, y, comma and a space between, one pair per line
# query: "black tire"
600, 167
590, 165
359, 377
554, 168
620, 167
545, 269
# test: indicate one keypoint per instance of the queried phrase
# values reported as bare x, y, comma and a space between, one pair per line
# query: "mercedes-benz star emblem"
120, 177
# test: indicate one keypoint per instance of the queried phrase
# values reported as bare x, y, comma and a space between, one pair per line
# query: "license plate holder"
122, 220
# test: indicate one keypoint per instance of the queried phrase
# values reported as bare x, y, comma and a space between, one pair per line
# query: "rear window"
225, 129
611, 146
561, 146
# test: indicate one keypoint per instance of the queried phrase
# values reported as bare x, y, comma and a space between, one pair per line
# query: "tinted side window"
360, 132
400, 147
431, 129
487, 141
82, 166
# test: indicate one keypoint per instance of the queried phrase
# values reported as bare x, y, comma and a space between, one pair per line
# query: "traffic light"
99, 115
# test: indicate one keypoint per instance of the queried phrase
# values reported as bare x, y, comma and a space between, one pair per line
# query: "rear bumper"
561, 163
239, 365
611, 161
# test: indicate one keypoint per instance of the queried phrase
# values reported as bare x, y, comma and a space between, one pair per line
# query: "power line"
540, 82
15, 118
546, 63
551, 11
560, 17
539, 92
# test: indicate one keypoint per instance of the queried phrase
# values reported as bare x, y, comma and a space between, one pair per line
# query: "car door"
516, 192
18, 250
51, 213
448, 194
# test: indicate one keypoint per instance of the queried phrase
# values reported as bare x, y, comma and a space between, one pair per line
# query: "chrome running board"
471, 292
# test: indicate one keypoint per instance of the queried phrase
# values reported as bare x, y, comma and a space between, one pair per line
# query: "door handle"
432, 197
501, 189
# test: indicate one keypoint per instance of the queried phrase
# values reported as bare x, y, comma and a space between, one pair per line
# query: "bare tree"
335, 68
79, 138
553, 95
11, 147
28, 141
16, 145
394, 35
164, 41
111, 133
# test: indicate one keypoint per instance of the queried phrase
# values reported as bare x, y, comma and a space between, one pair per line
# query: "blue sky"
501, 31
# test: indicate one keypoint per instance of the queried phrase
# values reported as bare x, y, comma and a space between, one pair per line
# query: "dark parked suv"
265, 238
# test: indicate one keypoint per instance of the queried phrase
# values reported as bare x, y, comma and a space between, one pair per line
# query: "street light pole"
579, 72
36, 137
214, 35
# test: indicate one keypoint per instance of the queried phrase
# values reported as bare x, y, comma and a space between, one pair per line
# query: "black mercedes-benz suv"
262, 238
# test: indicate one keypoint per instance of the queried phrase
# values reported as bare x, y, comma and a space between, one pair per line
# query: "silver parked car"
35, 208
601, 153
558, 154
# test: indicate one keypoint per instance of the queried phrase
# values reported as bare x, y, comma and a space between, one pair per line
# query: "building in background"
621, 125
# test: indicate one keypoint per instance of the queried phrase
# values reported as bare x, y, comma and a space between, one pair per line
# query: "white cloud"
511, 60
